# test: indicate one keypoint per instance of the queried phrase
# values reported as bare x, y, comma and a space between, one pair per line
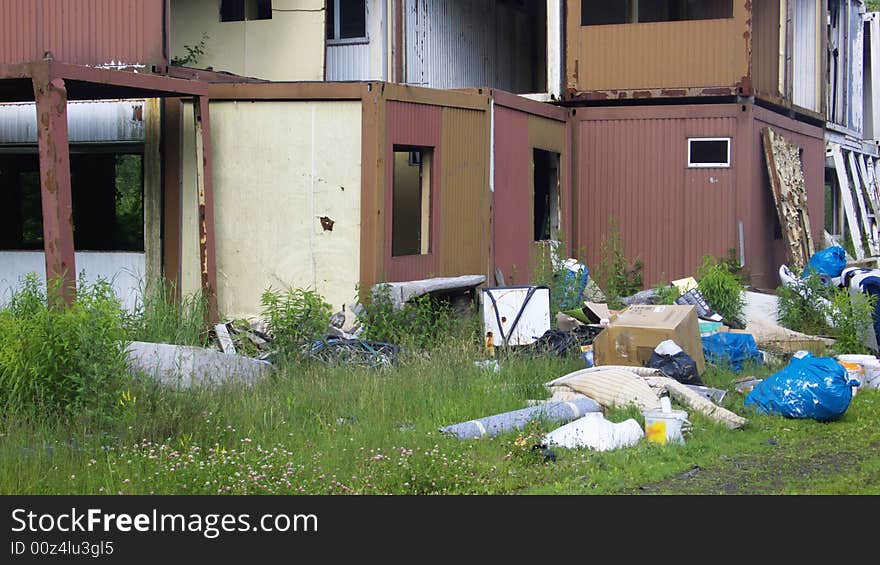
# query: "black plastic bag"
675, 363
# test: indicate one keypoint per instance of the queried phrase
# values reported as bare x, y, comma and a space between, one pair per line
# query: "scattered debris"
631, 337
809, 387
401, 292
334, 351
500, 423
665, 426
716, 395
790, 195
225, 340
597, 433
561, 343
732, 350
671, 359
186, 366
747, 384
489, 365
516, 315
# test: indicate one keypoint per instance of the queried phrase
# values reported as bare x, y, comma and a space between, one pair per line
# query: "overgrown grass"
161, 316
321, 430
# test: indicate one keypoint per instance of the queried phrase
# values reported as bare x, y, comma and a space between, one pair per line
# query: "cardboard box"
633, 335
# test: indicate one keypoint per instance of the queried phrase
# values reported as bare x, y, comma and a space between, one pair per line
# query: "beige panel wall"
290, 46
279, 168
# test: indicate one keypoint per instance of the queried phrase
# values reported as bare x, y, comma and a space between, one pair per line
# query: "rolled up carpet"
609, 386
561, 412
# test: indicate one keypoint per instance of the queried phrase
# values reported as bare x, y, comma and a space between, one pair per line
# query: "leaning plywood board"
789, 193
846, 198
867, 225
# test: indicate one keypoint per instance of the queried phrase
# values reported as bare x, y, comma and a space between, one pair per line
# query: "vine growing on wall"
193, 52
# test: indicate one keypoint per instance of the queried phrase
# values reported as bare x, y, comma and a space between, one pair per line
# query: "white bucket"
872, 374
664, 427
850, 361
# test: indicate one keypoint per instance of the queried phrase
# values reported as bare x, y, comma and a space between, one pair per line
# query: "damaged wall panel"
789, 194
275, 177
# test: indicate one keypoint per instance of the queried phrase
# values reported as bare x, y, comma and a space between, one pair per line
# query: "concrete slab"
189, 367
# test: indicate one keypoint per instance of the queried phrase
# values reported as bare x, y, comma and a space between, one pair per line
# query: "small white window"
709, 152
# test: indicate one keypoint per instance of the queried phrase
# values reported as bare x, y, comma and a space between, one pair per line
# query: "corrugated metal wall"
471, 43
764, 252
512, 205
806, 61
84, 32
459, 188
703, 53
414, 124
633, 168
464, 235
348, 62
87, 122
765, 48
856, 44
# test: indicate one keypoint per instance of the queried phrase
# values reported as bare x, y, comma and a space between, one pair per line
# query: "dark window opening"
709, 152
107, 194
346, 19
604, 12
545, 175
242, 10
411, 201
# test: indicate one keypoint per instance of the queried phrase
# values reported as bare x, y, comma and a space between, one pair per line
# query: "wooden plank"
871, 188
787, 184
867, 225
846, 198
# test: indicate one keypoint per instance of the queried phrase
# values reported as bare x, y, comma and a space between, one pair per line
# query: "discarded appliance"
732, 350
516, 315
809, 387
671, 359
492, 426
597, 433
631, 337
188, 367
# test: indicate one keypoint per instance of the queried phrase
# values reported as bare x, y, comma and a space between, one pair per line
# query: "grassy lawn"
321, 430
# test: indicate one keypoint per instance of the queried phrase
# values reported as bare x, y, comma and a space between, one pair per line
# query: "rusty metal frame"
53, 84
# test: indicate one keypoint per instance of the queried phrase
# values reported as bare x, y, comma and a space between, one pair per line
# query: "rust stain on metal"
327, 223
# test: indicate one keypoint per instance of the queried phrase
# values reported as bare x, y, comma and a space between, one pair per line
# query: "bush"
67, 362
614, 275
852, 318
295, 317
666, 293
721, 288
801, 313
418, 324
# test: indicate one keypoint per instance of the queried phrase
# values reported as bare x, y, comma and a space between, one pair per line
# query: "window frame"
719, 165
336, 40
244, 13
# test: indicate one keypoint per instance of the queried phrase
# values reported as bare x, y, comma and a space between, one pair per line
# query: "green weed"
721, 288
614, 274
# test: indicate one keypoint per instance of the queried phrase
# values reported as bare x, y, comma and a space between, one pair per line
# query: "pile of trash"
648, 355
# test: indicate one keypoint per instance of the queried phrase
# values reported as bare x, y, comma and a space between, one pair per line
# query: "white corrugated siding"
350, 61
856, 41
469, 43
87, 122
805, 63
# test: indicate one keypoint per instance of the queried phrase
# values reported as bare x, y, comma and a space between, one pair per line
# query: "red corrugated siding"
84, 32
634, 169
413, 124
513, 237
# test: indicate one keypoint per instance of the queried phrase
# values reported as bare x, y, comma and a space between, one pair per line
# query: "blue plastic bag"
575, 279
830, 261
732, 350
809, 387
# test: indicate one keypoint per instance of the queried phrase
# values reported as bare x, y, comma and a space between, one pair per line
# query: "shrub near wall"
67, 362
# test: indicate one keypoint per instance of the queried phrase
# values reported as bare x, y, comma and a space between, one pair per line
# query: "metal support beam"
204, 186
50, 95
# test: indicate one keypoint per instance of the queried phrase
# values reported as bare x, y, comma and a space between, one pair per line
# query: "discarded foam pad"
595, 432
609, 386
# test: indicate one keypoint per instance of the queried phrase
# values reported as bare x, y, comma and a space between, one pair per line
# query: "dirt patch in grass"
781, 469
